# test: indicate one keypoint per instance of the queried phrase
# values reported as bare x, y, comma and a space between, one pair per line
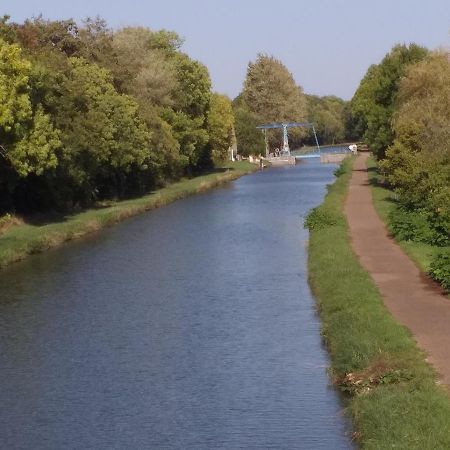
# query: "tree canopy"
88, 113
374, 101
220, 126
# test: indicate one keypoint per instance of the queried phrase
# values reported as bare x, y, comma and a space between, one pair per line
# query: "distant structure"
285, 125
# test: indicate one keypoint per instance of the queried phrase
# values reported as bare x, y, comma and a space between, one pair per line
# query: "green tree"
188, 115
36, 151
220, 126
250, 141
28, 140
103, 137
418, 162
271, 93
145, 68
328, 116
374, 101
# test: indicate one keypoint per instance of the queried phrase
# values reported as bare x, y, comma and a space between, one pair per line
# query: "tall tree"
418, 162
374, 101
27, 139
220, 126
271, 93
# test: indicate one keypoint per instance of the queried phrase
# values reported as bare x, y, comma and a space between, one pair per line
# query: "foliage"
15, 107
271, 93
220, 126
28, 138
417, 226
250, 140
88, 113
36, 152
328, 114
417, 164
374, 101
143, 69
440, 269
322, 217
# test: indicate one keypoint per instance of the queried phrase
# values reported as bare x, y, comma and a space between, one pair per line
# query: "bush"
440, 269
416, 226
322, 217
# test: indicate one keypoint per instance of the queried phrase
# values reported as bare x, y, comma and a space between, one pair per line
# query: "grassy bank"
392, 393
22, 239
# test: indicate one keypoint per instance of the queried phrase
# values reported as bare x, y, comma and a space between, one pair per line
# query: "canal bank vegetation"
93, 114
89, 113
19, 239
92, 118
402, 110
393, 395
409, 227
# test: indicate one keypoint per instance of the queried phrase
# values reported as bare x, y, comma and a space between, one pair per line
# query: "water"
191, 327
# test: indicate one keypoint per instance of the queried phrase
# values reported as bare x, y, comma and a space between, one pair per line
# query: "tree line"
89, 113
270, 94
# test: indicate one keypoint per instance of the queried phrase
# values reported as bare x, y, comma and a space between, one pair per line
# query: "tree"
28, 140
103, 137
188, 115
328, 116
220, 126
374, 101
36, 151
250, 140
271, 93
40, 34
145, 68
418, 161
15, 107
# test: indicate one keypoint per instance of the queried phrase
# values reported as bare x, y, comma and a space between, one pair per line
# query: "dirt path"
412, 299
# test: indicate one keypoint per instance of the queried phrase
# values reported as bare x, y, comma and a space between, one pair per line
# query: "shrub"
322, 217
416, 226
440, 269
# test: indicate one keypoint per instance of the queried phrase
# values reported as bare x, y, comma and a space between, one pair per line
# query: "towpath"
412, 298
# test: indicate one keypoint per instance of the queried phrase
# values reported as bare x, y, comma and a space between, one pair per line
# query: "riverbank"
392, 393
24, 239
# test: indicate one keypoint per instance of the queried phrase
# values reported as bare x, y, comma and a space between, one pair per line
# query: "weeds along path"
413, 299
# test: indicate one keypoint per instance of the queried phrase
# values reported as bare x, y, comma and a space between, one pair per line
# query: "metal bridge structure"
285, 125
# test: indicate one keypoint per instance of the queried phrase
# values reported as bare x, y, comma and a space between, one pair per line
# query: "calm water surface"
191, 327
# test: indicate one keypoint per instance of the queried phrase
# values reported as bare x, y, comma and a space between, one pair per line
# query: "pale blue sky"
327, 45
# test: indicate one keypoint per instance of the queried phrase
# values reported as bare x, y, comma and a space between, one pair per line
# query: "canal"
190, 327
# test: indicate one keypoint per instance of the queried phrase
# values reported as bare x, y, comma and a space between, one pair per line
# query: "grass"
23, 239
391, 392
385, 201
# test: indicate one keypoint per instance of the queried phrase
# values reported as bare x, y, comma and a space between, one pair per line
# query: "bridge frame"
285, 125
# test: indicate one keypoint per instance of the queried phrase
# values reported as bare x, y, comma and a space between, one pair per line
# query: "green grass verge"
23, 240
391, 391
384, 200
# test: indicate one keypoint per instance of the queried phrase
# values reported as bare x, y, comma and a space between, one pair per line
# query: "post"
266, 141
315, 135
285, 139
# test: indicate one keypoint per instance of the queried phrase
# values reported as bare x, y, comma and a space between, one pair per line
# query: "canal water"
190, 327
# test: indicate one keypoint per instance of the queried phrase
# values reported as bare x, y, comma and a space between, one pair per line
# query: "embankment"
25, 239
391, 393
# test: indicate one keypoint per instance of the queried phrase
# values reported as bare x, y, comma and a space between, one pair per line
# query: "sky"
327, 45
